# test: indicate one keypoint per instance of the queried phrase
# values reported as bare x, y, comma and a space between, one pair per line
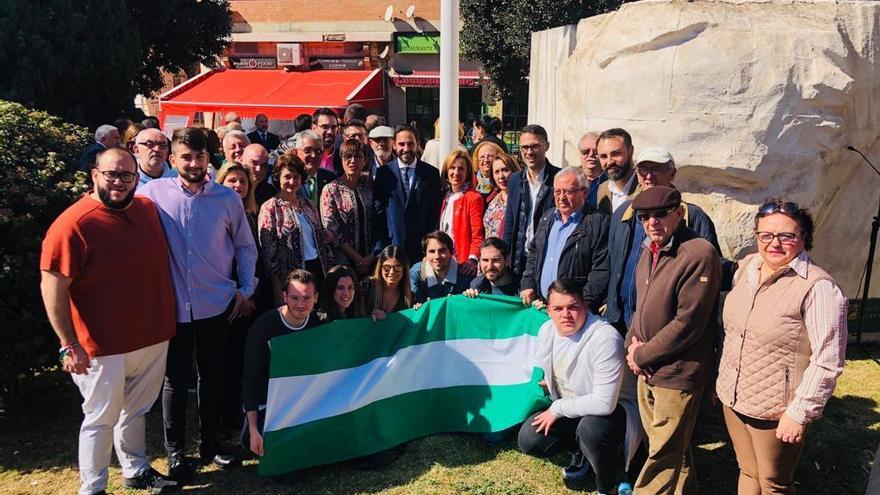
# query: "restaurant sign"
266, 63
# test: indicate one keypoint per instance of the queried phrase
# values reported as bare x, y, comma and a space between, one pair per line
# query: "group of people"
177, 259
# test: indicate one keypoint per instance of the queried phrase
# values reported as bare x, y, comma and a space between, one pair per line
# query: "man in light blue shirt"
151, 152
570, 241
208, 234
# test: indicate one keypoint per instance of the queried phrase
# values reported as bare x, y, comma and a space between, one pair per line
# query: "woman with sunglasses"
347, 209
388, 289
784, 347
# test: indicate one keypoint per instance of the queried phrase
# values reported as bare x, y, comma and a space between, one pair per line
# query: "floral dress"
493, 218
281, 236
348, 214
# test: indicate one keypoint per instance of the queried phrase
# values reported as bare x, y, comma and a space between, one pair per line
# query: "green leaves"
37, 150
498, 34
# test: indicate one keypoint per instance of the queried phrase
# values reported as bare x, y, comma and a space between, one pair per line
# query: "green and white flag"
354, 387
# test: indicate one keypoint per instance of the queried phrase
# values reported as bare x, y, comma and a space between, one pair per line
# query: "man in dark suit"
262, 135
106, 136
308, 147
530, 194
407, 196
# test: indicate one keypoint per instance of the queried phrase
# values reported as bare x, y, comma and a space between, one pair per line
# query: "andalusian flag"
355, 387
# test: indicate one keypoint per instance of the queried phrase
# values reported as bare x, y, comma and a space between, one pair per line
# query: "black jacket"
584, 257
519, 205
485, 287
271, 143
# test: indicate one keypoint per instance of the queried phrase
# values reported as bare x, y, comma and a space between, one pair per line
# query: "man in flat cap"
671, 341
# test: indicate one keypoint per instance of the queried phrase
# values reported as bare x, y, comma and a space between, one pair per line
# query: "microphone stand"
875, 227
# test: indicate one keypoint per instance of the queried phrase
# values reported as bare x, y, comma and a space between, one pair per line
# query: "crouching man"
593, 413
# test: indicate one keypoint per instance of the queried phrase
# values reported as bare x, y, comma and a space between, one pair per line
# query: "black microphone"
853, 148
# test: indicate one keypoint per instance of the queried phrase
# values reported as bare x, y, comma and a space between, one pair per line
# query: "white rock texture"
755, 99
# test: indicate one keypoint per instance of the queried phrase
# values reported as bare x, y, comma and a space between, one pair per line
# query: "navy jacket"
620, 241
584, 257
519, 205
322, 178
421, 292
403, 222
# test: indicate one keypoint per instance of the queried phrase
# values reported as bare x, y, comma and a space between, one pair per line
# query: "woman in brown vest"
784, 347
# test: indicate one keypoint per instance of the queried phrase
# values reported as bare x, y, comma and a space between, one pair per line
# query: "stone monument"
755, 99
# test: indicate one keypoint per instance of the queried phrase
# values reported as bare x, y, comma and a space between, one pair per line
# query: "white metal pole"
449, 21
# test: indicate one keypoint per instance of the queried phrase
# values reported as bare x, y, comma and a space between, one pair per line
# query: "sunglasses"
772, 207
644, 216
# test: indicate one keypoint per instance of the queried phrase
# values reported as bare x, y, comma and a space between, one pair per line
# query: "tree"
86, 60
37, 152
498, 34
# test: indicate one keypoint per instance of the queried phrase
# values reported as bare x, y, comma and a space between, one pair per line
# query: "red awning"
431, 79
278, 94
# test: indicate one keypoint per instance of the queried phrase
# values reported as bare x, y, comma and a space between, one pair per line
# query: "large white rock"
755, 99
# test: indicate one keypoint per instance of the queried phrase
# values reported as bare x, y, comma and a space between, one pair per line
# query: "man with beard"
307, 146
151, 150
589, 157
208, 234
109, 298
234, 143
407, 197
261, 134
495, 277
383, 148
571, 242
529, 194
325, 123
654, 167
256, 159
615, 151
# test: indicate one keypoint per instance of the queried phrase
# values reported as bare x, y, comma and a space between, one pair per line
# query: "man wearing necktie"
407, 197
307, 145
262, 135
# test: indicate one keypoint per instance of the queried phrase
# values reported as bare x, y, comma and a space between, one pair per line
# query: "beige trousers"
766, 464
669, 417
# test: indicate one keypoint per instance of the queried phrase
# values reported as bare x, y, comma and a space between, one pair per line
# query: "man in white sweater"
594, 409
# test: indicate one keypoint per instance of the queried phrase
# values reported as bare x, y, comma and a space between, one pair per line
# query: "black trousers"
598, 437
207, 338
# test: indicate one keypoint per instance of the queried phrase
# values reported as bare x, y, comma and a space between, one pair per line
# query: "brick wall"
251, 11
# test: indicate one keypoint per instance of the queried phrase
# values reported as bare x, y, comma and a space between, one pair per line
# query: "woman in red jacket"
461, 215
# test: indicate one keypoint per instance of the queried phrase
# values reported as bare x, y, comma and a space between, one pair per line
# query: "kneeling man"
592, 413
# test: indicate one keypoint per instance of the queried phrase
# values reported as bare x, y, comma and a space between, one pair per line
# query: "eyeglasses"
557, 193
787, 238
658, 214
772, 207
111, 176
588, 152
311, 151
392, 269
353, 156
531, 147
154, 144
644, 171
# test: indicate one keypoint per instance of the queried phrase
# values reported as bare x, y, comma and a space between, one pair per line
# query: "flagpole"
449, 24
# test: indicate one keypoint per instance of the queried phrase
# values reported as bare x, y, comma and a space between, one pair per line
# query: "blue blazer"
404, 222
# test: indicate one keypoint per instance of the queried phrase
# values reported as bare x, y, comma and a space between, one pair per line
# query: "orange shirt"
121, 297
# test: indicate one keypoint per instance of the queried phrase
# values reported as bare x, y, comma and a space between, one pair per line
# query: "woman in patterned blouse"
291, 233
493, 219
347, 209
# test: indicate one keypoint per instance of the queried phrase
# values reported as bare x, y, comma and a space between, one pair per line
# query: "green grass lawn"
38, 448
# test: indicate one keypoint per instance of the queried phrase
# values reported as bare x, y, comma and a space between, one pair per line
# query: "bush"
37, 152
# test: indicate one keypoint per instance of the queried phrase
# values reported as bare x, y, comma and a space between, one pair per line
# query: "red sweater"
467, 225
